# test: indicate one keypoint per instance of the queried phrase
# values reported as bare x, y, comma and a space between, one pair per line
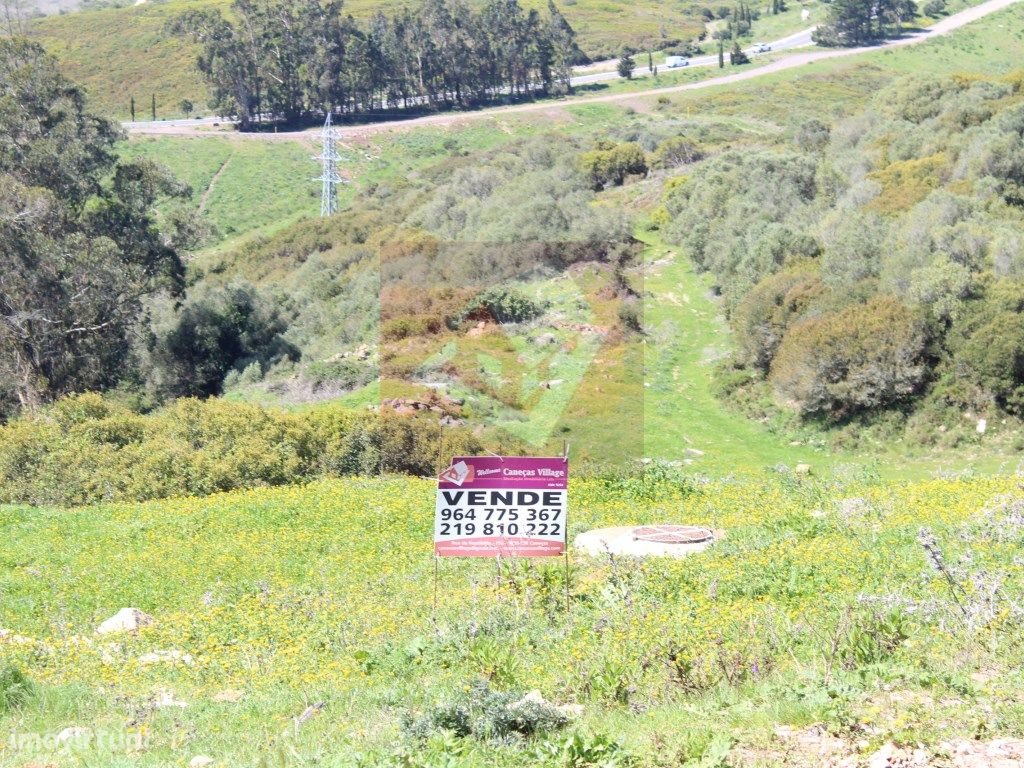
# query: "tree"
211, 334
79, 243
186, 107
289, 61
626, 64
859, 22
737, 55
721, 54
131, 106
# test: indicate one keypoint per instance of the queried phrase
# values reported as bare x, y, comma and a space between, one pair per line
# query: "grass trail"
687, 335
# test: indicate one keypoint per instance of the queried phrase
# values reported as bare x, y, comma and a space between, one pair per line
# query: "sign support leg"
567, 609
434, 612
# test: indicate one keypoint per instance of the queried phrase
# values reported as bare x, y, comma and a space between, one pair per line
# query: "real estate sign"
513, 506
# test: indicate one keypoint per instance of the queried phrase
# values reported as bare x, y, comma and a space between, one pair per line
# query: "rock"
881, 758
693, 452
802, 469
125, 620
7, 636
982, 426
74, 733
166, 657
201, 761
571, 711
545, 339
228, 696
852, 506
165, 699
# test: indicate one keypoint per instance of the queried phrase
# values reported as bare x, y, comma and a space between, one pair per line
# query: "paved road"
798, 59
799, 40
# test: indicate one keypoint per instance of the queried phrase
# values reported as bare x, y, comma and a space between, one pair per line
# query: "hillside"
117, 53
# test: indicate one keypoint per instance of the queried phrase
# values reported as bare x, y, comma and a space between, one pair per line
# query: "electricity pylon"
329, 178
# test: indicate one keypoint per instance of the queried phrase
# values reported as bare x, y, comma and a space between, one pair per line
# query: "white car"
761, 47
676, 61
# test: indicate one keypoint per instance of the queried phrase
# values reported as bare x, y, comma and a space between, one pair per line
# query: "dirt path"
943, 27
213, 182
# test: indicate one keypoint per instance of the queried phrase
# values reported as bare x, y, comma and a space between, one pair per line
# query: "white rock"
125, 620
982, 426
802, 469
201, 761
571, 711
693, 452
166, 657
165, 699
881, 758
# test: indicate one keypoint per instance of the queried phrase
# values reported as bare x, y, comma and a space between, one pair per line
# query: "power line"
329, 177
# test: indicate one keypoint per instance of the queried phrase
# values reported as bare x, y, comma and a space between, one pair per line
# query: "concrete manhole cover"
647, 540
673, 534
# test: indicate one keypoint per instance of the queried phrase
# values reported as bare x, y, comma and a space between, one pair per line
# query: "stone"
623, 540
693, 452
201, 761
545, 339
982, 426
165, 699
165, 657
881, 758
802, 469
125, 620
228, 696
571, 711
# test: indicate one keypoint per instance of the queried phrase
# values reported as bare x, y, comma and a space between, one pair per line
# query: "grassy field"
268, 602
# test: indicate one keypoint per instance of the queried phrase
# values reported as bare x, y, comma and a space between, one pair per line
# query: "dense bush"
763, 316
610, 164
85, 449
917, 197
676, 151
213, 332
487, 714
504, 305
863, 357
993, 358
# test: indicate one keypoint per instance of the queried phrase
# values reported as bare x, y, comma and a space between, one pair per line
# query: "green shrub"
196, 447
504, 305
762, 317
15, 689
993, 357
865, 356
676, 151
609, 164
484, 713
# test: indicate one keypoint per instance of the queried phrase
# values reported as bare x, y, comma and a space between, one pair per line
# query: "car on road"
761, 47
676, 61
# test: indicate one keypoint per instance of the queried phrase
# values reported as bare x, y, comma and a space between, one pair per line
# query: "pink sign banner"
508, 506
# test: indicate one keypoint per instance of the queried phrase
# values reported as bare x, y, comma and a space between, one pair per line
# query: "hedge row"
85, 449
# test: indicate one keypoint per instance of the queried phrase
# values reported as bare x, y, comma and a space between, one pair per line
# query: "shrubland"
87, 449
875, 263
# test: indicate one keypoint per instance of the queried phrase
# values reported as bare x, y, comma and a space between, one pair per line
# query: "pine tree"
132, 107
153, 106
721, 53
